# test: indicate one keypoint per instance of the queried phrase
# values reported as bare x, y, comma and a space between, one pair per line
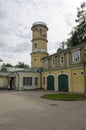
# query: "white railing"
42, 23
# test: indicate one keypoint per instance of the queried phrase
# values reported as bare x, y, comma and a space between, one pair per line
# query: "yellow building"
63, 71
3, 80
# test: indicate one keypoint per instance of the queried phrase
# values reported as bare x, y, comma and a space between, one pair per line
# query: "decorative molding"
39, 50
77, 49
44, 39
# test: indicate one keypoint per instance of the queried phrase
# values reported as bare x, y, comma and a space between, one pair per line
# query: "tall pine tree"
78, 35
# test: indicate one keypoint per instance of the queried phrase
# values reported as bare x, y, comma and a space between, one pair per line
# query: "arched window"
40, 31
35, 45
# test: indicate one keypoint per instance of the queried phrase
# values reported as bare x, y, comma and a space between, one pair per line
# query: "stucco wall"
3, 82
36, 59
75, 79
28, 74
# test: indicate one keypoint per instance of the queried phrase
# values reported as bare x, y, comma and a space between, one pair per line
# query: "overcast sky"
17, 17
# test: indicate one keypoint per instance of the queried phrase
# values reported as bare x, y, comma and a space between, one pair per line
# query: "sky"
17, 17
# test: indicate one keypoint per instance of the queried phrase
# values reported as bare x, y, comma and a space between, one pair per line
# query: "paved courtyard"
27, 111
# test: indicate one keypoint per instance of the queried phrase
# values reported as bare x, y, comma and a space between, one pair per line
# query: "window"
27, 81
53, 62
35, 45
62, 60
74, 73
75, 57
36, 81
34, 59
82, 72
40, 31
46, 64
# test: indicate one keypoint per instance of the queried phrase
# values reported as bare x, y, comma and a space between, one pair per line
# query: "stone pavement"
27, 111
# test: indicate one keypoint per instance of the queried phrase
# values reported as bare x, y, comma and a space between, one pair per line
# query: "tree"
7, 65
68, 42
78, 34
22, 65
81, 13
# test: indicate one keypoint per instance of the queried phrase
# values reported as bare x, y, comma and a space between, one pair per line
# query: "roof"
42, 24
60, 51
12, 69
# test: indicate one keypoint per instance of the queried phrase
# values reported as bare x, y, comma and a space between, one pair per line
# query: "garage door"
63, 83
50, 82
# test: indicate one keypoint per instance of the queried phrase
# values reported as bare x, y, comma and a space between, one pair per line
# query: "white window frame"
27, 81
76, 56
53, 62
46, 64
62, 62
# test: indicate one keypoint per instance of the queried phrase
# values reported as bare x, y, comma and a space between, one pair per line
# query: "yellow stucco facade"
67, 68
36, 60
3, 82
75, 79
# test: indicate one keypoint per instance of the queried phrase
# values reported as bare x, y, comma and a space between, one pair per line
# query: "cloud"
2, 44
17, 17
22, 47
2, 14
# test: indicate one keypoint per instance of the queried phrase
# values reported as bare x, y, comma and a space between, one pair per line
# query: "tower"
39, 44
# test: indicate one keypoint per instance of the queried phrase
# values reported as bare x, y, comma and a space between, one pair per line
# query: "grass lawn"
65, 97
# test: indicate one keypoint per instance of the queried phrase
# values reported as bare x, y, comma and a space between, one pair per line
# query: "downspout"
84, 77
85, 69
18, 80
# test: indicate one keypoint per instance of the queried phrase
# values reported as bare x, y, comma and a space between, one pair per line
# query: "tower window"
40, 31
35, 45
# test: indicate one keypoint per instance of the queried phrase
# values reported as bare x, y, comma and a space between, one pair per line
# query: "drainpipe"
85, 69
18, 80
